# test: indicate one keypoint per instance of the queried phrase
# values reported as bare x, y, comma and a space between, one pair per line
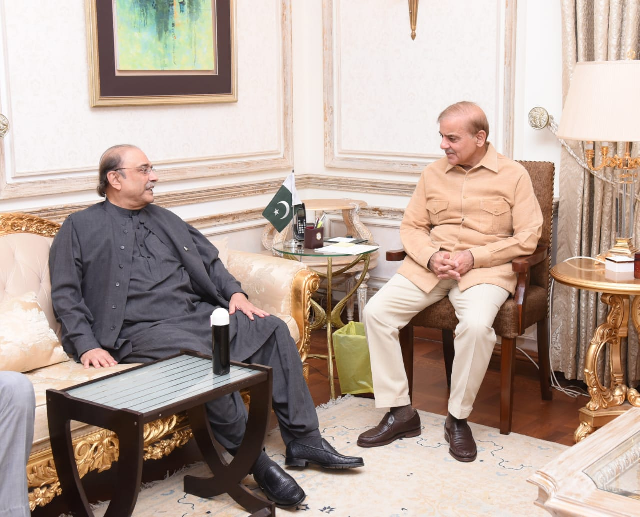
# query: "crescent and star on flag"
286, 208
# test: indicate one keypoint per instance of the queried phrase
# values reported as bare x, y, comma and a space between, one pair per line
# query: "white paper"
341, 239
356, 249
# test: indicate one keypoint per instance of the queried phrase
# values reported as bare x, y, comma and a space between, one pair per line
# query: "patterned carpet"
410, 477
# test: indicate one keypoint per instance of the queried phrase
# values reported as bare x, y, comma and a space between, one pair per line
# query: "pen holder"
313, 237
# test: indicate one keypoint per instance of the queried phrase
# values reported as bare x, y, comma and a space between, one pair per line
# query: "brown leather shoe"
457, 432
390, 429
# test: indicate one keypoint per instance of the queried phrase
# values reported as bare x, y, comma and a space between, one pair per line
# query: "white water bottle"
220, 341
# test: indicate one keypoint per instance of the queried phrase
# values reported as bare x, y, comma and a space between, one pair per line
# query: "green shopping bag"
352, 359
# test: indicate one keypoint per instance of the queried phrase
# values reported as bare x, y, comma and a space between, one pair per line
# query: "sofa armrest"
279, 286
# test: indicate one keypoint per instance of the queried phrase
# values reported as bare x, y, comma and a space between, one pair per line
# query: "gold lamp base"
623, 246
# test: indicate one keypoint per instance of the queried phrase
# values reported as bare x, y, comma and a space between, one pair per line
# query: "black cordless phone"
299, 222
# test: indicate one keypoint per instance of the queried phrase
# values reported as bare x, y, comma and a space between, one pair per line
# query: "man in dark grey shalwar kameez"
132, 282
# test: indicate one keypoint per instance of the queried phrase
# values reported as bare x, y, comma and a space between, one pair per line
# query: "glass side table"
123, 402
330, 317
598, 476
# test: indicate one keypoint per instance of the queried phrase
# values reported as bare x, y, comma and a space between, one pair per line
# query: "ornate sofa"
28, 342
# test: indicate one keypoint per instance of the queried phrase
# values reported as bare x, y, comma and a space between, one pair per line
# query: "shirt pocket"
436, 208
495, 216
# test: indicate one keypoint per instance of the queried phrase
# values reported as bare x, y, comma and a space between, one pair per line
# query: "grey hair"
476, 116
110, 160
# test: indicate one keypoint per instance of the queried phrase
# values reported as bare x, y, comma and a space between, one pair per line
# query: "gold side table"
606, 402
349, 210
331, 317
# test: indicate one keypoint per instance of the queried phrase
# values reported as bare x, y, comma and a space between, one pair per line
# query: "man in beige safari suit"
473, 211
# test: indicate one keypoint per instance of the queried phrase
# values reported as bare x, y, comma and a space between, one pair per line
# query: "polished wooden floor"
554, 420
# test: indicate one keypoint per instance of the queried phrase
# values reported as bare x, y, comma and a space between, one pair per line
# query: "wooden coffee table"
124, 402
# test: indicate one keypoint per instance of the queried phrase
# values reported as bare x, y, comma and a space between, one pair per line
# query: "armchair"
529, 305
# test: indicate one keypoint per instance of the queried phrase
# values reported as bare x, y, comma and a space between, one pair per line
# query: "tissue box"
619, 264
618, 276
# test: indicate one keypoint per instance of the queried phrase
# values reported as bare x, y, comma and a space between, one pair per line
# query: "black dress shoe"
457, 432
300, 455
390, 429
279, 486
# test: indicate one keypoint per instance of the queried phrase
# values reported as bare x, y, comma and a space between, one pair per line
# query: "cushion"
26, 339
223, 249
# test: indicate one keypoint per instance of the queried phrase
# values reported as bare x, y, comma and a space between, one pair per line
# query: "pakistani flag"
279, 211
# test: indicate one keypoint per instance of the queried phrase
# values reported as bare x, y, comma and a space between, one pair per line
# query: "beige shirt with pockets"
490, 210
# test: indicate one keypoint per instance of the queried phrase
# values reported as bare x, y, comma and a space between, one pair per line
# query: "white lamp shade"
603, 102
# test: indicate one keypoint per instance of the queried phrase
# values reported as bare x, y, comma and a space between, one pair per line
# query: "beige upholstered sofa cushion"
24, 267
267, 283
26, 339
222, 244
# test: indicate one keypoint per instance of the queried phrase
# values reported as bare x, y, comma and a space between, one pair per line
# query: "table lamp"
603, 105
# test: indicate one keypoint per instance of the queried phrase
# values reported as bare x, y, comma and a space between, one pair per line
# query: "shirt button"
126, 231
113, 306
117, 284
113, 327
121, 247
120, 266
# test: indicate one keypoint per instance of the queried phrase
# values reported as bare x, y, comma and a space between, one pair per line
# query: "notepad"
352, 240
347, 248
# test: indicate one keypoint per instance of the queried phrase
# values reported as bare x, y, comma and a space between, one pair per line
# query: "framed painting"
161, 52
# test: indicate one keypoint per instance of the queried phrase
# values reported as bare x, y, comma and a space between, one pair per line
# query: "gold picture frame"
109, 86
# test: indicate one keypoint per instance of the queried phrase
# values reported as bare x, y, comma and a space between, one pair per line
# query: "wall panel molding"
25, 184
336, 155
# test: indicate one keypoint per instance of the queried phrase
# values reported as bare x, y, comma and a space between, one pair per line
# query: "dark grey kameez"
164, 311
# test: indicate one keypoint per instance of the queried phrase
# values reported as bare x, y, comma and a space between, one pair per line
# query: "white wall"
538, 77
49, 157
538, 83
55, 138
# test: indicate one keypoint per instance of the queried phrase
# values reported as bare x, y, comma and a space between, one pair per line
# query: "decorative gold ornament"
24, 223
584, 430
413, 16
538, 118
610, 333
4, 125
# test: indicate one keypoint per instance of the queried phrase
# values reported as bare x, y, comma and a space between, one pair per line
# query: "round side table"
606, 402
331, 317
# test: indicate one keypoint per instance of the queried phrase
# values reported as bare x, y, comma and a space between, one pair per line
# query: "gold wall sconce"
413, 16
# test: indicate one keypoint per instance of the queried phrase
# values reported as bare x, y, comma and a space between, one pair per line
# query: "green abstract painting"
155, 35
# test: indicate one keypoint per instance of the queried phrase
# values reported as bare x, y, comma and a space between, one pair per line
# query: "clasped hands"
100, 358
447, 266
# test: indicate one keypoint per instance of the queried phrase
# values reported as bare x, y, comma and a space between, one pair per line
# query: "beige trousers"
393, 307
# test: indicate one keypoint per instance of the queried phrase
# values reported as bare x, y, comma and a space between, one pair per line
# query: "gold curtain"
592, 30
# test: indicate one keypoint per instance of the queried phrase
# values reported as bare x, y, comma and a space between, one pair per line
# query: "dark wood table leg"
129, 428
227, 477
126, 489
62, 448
